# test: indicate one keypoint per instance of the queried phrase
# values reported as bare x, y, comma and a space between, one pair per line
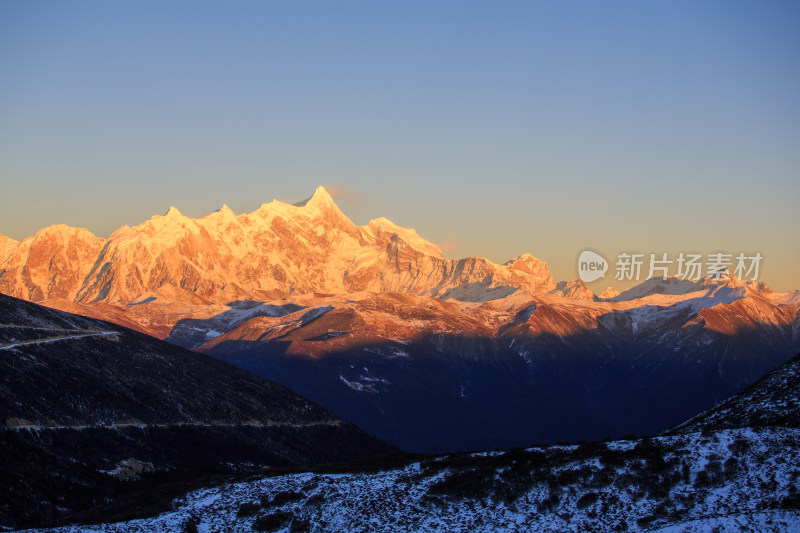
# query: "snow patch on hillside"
734, 480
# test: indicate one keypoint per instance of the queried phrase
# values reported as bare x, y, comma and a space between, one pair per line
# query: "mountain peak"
728, 279
225, 211
7, 246
64, 230
173, 212
222, 216
609, 293
408, 235
321, 198
525, 263
573, 289
669, 285
319, 206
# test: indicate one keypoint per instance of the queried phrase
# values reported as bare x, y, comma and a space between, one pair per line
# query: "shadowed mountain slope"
736, 473
774, 400
93, 412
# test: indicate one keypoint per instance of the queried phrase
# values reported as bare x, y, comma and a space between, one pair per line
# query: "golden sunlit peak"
172, 212
320, 198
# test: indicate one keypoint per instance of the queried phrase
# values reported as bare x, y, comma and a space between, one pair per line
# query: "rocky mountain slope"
741, 478
51, 264
772, 401
93, 412
429, 375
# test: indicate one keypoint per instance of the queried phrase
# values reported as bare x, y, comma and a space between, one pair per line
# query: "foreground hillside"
744, 478
93, 412
773, 401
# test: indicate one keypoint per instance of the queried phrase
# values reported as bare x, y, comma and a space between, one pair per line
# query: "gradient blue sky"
506, 127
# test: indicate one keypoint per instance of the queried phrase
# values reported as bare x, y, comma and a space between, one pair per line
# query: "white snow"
401, 499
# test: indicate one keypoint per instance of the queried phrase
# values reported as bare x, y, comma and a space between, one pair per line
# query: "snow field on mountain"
732, 479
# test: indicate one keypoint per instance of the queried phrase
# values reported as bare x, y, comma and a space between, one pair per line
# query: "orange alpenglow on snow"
279, 249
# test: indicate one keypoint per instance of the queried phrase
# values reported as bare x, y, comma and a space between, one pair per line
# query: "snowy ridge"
682, 483
279, 249
574, 289
774, 400
7, 246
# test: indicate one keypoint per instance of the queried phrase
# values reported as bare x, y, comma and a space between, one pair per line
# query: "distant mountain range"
277, 250
429, 375
431, 354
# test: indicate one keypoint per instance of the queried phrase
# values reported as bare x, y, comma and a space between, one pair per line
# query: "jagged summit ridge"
279, 248
672, 285
377, 226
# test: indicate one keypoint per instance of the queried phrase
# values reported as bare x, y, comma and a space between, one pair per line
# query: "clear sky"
495, 127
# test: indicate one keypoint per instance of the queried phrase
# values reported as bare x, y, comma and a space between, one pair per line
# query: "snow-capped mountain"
608, 293
428, 374
432, 375
429, 353
7, 245
677, 286
53, 263
279, 249
375, 325
574, 289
